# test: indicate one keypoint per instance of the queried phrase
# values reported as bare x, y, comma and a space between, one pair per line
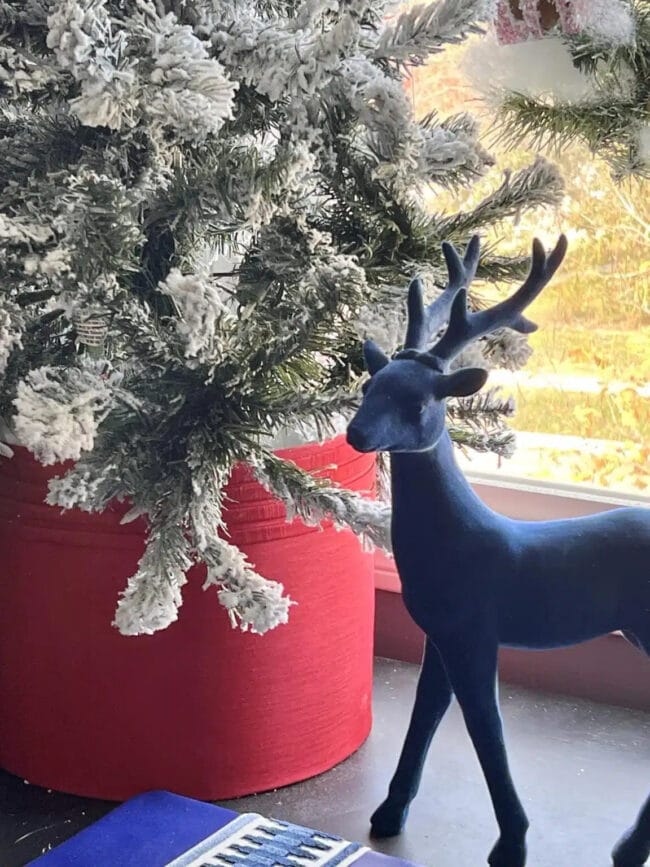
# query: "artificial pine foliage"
612, 117
204, 206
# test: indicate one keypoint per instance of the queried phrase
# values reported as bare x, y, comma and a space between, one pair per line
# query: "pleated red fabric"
198, 709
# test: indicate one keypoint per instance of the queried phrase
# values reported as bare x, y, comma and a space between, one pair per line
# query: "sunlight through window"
583, 398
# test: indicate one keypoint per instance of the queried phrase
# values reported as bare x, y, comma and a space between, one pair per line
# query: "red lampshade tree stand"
200, 708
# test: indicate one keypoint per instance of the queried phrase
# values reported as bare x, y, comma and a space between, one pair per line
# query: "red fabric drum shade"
199, 709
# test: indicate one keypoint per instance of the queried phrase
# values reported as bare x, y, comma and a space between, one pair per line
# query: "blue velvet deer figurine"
473, 579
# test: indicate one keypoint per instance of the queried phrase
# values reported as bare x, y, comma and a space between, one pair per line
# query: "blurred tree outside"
583, 399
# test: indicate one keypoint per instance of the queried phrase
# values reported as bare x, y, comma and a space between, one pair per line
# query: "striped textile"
253, 841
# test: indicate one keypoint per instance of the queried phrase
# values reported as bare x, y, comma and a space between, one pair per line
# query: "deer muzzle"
358, 438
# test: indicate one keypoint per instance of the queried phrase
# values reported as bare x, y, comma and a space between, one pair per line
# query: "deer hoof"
388, 820
630, 851
508, 853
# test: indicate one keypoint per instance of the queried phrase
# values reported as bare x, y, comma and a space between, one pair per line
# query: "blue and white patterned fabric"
253, 841
159, 829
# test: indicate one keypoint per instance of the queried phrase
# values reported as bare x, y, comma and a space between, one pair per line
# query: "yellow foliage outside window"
583, 399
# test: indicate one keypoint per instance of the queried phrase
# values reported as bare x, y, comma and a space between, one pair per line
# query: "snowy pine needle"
314, 501
58, 411
427, 28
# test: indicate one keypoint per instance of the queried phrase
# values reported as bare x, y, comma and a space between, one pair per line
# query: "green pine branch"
545, 126
538, 185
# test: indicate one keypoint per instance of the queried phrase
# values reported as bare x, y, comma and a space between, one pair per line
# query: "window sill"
550, 499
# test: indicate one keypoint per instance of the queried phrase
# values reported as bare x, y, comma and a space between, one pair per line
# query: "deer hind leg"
432, 699
633, 849
472, 669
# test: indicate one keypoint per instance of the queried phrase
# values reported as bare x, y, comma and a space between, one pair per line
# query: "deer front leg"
472, 670
432, 699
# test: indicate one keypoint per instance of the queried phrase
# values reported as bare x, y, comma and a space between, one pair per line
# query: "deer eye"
425, 406
413, 410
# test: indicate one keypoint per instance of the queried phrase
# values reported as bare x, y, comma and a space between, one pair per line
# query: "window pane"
583, 399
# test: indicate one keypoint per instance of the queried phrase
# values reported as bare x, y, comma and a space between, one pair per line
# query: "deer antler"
424, 323
465, 327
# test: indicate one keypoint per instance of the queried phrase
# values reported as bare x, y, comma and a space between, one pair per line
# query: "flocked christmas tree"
603, 101
203, 207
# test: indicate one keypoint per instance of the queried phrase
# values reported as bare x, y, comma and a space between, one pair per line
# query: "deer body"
542, 584
472, 579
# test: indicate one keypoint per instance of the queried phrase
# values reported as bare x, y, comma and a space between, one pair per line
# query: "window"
583, 399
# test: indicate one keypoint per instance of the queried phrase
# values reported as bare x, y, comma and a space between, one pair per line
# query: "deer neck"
429, 490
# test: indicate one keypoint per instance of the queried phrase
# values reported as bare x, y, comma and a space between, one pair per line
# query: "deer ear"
374, 357
461, 383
